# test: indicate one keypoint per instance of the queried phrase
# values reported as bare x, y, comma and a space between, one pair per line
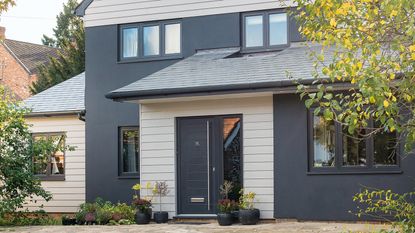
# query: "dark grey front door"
195, 166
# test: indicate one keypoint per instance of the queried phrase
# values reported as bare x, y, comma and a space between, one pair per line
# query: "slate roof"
222, 70
30, 55
65, 97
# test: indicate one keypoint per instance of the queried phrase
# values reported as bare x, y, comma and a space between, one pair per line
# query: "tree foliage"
5, 4
67, 24
372, 47
70, 38
17, 182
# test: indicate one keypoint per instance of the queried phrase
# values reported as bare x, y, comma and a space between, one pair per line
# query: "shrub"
388, 206
25, 218
103, 213
227, 205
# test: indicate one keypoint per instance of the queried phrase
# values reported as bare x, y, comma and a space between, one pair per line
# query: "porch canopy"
225, 71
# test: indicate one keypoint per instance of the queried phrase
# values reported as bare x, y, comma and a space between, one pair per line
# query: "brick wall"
13, 75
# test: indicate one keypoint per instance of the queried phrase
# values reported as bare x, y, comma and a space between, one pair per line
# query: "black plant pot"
249, 217
142, 218
225, 219
235, 216
161, 217
68, 221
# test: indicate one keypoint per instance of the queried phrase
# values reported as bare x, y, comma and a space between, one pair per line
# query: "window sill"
149, 59
128, 177
369, 172
51, 178
246, 50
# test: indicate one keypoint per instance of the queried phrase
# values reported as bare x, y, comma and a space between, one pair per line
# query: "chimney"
2, 33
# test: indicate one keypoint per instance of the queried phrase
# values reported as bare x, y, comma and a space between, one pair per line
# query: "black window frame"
49, 176
121, 173
339, 168
162, 38
266, 31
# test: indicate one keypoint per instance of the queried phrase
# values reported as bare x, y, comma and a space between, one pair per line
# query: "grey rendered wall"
104, 74
318, 197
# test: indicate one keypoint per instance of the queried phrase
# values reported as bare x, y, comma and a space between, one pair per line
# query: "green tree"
18, 184
67, 23
372, 48
5, 4
70, 38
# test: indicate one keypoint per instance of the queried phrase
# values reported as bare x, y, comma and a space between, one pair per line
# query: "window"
265, 31
130, 42
50, 166
129, 151
150, 41
332, 149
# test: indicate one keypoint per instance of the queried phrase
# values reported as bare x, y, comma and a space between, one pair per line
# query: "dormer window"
153, 41
265, 31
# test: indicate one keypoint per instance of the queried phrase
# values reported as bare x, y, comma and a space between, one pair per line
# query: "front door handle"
208, 161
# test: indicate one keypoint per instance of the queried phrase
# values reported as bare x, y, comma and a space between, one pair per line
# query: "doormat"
189, 223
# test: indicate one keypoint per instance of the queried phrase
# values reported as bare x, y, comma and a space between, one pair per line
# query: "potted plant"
142, 205
248, 215
225, 205
67, 220
161, 189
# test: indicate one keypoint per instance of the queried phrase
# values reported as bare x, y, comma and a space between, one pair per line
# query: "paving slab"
281, 227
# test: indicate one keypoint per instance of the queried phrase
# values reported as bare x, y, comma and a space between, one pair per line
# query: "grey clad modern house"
197, 92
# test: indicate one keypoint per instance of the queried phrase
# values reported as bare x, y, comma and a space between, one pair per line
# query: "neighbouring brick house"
19, 63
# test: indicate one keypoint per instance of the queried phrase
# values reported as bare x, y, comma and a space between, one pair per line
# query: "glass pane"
151, 40
278, 29
173, 37
130, 42
354, 149
324, 142
130, 151
254, 31
40, 161
57, 161
232, 154
385, 145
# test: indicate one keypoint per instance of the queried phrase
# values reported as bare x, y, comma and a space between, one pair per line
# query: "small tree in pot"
142, 205
225, 205
248, 215
161, 189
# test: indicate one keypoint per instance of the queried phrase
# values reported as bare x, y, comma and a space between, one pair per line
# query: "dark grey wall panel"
318, 197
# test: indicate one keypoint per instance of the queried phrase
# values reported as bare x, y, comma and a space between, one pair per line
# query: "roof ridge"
30, 43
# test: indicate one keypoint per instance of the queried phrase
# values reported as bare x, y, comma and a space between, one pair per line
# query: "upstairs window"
265, 31
332, 149
150, 41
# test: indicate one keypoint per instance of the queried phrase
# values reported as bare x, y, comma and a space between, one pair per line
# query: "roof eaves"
80, 9
202, 90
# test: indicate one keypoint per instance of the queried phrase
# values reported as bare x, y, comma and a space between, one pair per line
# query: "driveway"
283, 227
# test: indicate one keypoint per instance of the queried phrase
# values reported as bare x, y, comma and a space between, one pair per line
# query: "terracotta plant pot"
142, 218
225, 219
249, 217
161, 217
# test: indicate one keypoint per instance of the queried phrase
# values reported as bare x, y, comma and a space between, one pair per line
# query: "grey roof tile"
68, 96
219, 67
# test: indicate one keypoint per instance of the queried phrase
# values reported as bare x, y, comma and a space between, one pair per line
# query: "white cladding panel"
158, 160
109, 12
69, 194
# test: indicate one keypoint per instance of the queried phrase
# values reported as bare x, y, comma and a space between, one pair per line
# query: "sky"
30, 19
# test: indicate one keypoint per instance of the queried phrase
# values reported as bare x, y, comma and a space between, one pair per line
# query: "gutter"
284, 86
52, 114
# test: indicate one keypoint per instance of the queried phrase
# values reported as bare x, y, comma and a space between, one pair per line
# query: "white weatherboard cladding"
69, 194
158, 143
109, 12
